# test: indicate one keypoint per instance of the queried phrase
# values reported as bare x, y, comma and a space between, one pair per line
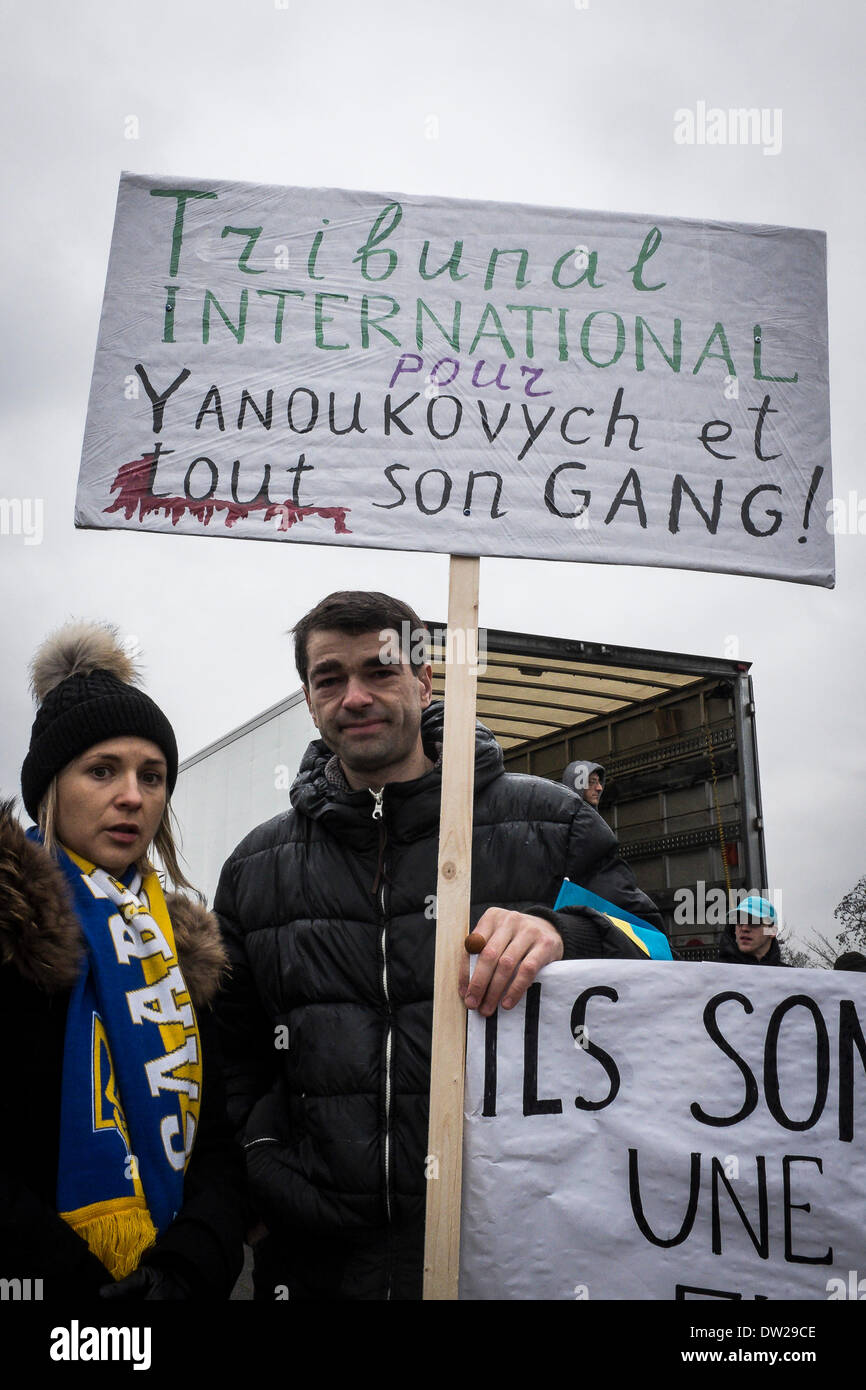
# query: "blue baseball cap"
755, 909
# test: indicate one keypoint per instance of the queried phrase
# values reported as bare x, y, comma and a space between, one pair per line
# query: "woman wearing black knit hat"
118, 1173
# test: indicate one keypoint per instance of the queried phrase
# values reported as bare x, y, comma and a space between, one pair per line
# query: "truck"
675, 734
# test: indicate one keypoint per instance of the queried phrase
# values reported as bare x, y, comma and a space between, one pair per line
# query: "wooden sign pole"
445, 1141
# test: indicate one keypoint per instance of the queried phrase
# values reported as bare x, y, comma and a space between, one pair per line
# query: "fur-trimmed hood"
41, 937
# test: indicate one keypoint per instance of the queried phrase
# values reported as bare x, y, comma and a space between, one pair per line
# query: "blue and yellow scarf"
132, 1071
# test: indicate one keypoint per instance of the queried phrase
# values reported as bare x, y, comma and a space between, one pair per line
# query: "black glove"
148, 1284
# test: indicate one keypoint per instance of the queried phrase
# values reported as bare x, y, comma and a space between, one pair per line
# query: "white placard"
387, 370
664, 1131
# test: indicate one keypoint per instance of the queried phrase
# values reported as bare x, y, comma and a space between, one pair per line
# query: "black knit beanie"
86, 707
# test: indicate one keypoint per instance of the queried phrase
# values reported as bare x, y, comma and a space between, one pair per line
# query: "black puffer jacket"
329, 919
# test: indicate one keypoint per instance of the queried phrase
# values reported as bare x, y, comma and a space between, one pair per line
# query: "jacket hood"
41, 937
39, 931
576, 775
410, 808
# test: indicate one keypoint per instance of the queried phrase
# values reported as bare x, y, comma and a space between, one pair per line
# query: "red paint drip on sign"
132, 485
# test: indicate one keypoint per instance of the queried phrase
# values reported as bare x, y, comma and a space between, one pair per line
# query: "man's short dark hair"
850, 960
356, 611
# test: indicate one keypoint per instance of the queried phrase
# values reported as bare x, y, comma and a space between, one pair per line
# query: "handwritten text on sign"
426, 374
668, 1131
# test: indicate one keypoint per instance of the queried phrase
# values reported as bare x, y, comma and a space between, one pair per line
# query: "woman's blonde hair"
163, 841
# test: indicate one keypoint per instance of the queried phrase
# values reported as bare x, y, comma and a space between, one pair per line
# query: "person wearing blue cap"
749, 937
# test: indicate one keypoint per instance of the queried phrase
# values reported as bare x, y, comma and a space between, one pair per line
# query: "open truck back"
675, 734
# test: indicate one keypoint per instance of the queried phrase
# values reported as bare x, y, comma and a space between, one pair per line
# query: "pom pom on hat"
83, 680
79, 649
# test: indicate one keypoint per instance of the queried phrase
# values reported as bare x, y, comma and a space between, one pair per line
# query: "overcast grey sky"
553, 103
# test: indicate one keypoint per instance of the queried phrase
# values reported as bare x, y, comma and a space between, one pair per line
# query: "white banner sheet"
388, 370
654, 1131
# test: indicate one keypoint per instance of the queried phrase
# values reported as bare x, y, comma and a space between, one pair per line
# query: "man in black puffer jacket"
328, 913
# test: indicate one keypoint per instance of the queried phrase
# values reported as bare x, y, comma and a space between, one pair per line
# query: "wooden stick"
445, 1141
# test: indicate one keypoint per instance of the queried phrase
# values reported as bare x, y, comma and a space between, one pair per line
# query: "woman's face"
110, 801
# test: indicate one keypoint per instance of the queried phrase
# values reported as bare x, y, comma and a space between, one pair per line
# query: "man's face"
754, 938
593, 789
368, 710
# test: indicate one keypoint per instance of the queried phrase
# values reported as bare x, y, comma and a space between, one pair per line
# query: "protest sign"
652, 1131
346, 368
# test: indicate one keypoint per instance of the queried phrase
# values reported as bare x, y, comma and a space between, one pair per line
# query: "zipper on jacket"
378, 814
388, 1045
383, 909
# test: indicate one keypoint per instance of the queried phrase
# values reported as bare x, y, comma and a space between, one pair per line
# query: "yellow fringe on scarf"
118, 1237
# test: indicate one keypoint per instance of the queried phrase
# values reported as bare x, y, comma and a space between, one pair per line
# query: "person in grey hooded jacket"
585, 778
